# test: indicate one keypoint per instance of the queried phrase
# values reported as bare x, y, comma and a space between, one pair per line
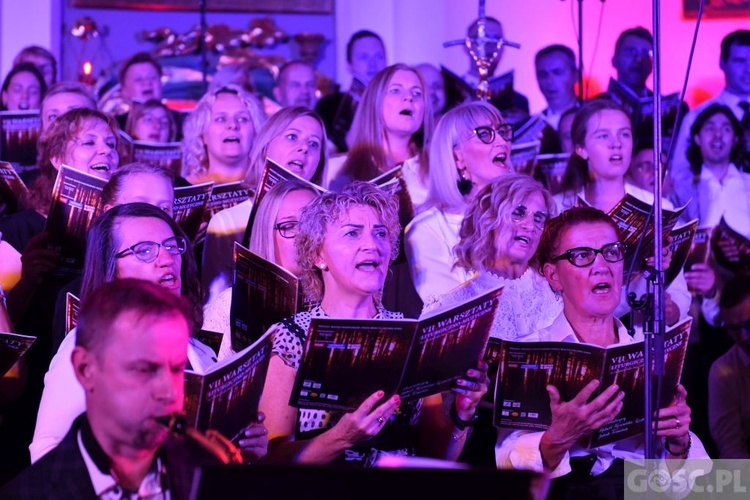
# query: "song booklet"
12, 347
641, 109
190, 203
19, 133
272, 174
347, 360
635, 222
263, 293
12, 188
526, 368
523, 156
225, 397
167, 155
686, 249
72, 306
550, 170
393, 182
225, 196
739, 264
76, 202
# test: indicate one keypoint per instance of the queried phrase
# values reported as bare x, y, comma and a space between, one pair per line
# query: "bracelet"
680, 454
460, 423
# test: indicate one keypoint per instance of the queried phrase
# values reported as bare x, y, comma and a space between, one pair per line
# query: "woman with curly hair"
218, 136
345, 245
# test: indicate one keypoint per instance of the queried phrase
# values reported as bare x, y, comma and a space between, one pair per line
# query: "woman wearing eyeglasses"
498, 239
596, 174
498, 242
470, 148
346, 242
272, 237
582, 259
293, 137
134, 240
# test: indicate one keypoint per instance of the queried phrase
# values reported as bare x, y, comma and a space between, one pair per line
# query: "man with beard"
130, 357
734, 61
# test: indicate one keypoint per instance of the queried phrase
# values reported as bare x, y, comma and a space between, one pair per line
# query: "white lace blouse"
526, 305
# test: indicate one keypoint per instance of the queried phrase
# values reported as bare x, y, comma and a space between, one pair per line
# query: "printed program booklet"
225, 397
523, 156
12, 188
272, 174
393, 182
190, 203
225, 196
263, 293
550, 170
72, 306
682, 247
167, 155
641, 109
635, 222
739, 264
346, 360
19, 133
526, 368
12, 347
76, 201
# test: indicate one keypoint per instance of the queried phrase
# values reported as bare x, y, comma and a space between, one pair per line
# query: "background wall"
413, 31
28, 22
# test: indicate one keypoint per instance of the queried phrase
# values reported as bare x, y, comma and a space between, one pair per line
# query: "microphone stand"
655, 340
581, 94
649, 310
202, 44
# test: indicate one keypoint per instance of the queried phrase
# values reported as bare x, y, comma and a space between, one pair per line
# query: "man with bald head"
295, 85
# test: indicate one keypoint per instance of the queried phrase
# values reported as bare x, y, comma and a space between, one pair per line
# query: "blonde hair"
367, 156
195, 156
328, 208
452, 128
275, 126
489, 216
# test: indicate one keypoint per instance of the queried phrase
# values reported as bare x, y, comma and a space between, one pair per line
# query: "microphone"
212, 440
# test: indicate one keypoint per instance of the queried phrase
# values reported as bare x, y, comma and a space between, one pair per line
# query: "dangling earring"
464, 183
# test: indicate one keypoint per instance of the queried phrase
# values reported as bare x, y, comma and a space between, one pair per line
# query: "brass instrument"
212, 441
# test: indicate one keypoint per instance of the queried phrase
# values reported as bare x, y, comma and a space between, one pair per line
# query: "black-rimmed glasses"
486, 133
287, 229
147, 251
521, 212
585, 256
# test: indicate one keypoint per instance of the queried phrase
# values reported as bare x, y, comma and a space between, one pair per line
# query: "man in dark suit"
365, 56
130, 357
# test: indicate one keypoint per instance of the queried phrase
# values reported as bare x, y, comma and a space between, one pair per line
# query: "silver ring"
677, 423
381, 420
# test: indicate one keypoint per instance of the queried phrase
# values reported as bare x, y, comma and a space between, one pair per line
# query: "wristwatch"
463, 424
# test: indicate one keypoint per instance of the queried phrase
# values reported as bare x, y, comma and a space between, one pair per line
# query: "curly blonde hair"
488, 216
316, 218
194, 154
